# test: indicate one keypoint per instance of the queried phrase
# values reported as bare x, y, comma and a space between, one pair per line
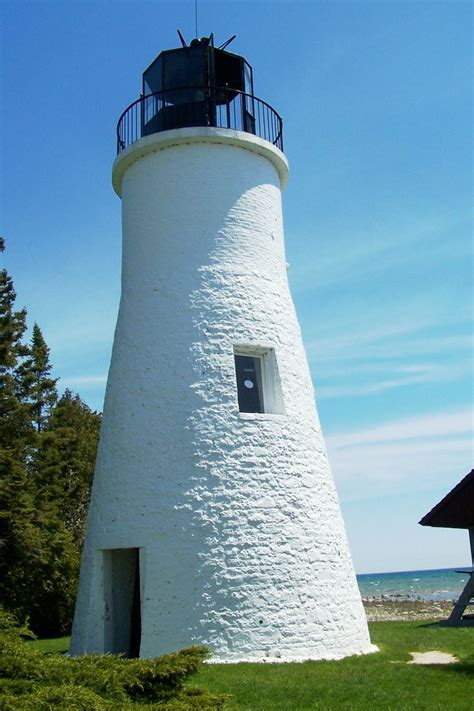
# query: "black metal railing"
220, 107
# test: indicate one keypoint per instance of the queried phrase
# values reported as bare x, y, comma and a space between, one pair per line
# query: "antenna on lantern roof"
183, 41
231, 39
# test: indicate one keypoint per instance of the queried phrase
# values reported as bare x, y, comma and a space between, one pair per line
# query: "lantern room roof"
456, 510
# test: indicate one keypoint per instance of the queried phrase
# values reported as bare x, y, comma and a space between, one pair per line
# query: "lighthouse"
214, 517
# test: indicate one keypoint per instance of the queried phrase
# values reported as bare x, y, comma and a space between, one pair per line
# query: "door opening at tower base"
258, 382
122, 601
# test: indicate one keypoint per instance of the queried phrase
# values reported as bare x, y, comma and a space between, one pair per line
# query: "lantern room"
197, 86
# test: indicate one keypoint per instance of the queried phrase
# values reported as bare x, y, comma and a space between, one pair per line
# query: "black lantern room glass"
196, 86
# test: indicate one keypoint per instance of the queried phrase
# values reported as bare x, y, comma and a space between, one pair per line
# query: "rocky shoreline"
384, 609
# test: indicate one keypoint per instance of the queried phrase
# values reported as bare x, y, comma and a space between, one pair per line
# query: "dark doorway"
136, 616
122, 600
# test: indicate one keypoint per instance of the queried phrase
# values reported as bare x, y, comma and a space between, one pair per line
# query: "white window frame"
272, 399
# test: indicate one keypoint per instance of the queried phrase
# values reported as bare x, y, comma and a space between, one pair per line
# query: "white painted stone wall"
243, 547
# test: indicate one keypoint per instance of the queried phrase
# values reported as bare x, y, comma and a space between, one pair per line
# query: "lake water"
443, 584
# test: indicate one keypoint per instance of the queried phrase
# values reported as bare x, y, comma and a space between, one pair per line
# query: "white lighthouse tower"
214, 518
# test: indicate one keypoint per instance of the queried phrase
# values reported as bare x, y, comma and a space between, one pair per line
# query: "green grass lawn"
369, 683
375, 682
60, 645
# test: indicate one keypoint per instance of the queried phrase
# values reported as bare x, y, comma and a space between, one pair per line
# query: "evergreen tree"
63, 469
35, 383
14, 417
67, 458
47, 452
39, 559
16, 441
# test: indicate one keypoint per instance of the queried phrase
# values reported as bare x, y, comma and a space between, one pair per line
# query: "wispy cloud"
337, 369
396, 376
389, 354
384, 244
86, 380
390, 341
361, 337
459, 422
406, 453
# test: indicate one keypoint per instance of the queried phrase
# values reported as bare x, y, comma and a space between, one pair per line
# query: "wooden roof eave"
456, 509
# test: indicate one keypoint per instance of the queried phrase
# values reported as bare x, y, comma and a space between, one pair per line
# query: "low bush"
44, 698
31, 679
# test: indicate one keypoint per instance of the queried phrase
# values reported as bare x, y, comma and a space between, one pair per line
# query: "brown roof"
456, 510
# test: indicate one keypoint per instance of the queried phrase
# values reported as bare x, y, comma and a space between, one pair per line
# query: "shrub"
31, 679
44, 698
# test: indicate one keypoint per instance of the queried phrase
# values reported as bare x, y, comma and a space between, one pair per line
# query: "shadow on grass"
465, 667
445, 625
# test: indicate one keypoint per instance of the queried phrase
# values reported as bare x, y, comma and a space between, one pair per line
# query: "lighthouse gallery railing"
219, 107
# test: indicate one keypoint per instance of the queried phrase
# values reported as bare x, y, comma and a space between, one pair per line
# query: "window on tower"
258, 384
248, 370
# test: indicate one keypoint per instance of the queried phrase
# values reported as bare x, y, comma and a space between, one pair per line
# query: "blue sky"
376, 99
